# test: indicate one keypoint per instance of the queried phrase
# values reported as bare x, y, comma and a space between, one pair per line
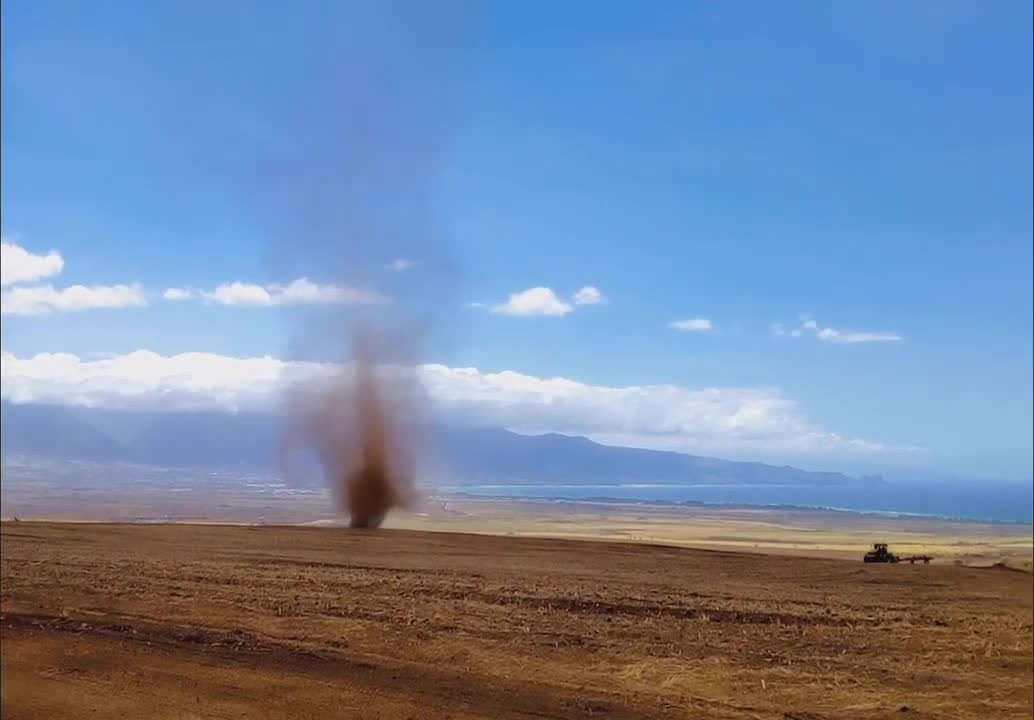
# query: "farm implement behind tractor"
880, 554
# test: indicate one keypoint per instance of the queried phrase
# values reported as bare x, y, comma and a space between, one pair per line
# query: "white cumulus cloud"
534, 301
692, 325
297, 292
399, 264
589, 295
178, 294
18, 265
738, 420
45, 299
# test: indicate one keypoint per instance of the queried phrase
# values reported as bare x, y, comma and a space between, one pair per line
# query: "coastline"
781, 529
689, 504
1002, 502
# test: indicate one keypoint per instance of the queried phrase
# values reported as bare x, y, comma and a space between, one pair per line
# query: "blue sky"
859, 170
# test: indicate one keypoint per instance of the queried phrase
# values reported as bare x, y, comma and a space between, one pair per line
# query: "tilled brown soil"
194, 621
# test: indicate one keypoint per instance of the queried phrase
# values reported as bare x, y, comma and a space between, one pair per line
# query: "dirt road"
193, 621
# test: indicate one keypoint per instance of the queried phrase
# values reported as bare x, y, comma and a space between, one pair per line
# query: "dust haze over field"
350, 196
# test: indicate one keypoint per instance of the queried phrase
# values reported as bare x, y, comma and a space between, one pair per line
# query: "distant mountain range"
458, 456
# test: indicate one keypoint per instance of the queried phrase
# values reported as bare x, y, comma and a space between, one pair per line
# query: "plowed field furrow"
177, 621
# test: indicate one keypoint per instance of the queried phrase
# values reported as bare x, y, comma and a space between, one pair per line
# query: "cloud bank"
738, 420
45, 299
297, 292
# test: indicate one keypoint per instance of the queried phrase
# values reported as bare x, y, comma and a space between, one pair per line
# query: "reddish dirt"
189, 621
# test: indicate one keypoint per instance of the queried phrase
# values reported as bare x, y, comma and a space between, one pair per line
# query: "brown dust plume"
347, 190
363, 423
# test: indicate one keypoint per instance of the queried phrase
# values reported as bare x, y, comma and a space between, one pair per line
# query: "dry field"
207, 621
817, 533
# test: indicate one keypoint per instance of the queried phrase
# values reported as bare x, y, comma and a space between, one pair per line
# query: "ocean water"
999, 502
